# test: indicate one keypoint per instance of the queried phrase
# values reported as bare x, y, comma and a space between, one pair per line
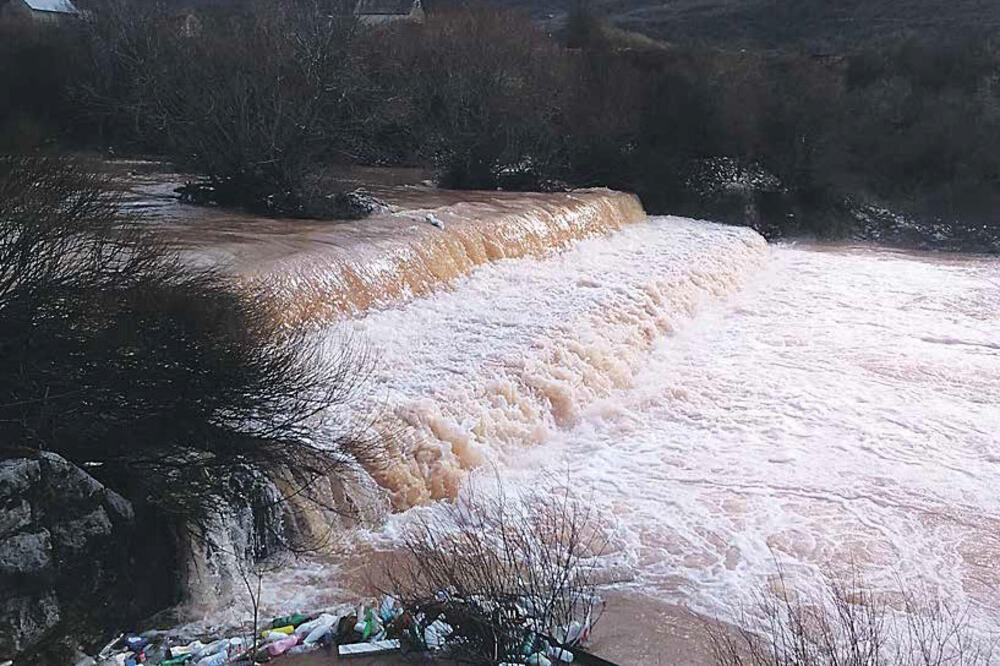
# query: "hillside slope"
776, 23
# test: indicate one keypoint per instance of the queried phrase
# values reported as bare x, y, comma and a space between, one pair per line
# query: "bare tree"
506, 573
172, 385
847, 625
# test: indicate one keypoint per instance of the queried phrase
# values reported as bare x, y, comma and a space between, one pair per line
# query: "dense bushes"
251, 100
167, 384
487, 88
258, 100
37, 69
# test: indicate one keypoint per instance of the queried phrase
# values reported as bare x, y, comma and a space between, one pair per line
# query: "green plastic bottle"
294, 620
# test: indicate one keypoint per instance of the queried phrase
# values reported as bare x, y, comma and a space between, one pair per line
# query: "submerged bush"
250, 102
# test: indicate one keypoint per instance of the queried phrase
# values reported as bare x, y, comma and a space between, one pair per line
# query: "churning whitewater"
727, 404
843, 409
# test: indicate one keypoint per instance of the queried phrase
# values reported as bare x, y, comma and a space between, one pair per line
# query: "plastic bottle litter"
324, 619
156, 655
302, 649
185, 650
295, 619
283, 646
559, 654
275, 636
538, 659
323, 628
217, 659
286, 630
210, 649
388, 609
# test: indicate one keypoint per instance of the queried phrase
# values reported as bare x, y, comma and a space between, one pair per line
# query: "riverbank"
634, 629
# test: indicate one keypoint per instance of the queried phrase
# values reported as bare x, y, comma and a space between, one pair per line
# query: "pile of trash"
365, 631
384, 628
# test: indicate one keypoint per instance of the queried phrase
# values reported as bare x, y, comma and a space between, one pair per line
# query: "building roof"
56, 6
375, 7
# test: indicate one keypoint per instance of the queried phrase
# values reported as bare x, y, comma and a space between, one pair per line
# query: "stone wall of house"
68, 572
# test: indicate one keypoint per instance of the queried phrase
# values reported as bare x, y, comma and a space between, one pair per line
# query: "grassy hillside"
777, 23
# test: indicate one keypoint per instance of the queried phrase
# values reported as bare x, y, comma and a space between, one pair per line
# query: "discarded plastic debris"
366, 631
136, 643
210, 649
185, 650
374, 648
436, 633
559, 654
294, 619
286, 630
323, 626
389, 609
217, 659
538, 659
283, 646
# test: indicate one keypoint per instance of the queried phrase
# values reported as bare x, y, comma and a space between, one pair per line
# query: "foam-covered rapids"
842, 411
521, 349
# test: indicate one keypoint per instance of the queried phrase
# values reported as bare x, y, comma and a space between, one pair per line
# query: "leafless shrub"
847, 625
504, 571
171, 385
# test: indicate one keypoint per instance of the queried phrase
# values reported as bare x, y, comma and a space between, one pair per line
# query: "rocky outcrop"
68, 569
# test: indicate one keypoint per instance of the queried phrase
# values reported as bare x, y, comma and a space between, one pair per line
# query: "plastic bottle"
538, 659
216, 659
156, 655
369, 628
387, 610
175, 661
281, 647
287, 630
324, 619
210, 649
322, 626
295, 619
319, 636
559, 654
185, 650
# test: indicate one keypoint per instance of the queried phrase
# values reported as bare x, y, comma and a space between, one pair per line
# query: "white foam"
521, 348
844, 407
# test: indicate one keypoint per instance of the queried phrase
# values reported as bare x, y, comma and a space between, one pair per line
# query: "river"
730, 406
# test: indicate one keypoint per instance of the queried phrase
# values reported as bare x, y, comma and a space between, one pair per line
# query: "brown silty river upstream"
728, 404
